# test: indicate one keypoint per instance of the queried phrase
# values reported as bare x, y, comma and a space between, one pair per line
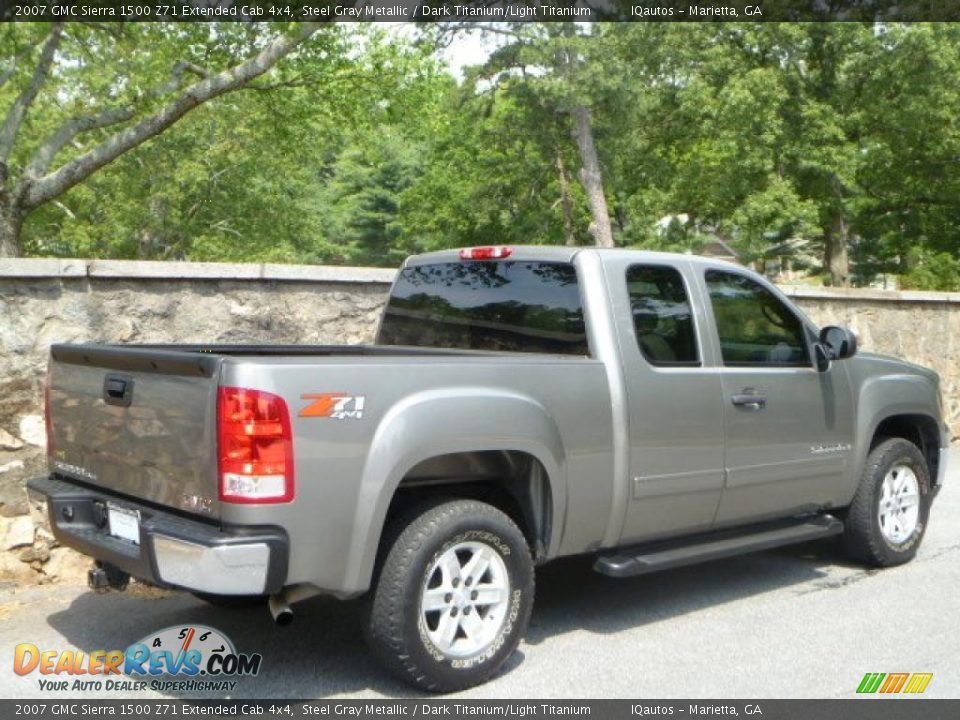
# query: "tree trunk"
835, 258
569, 235
11, 220
149, 242
592, 178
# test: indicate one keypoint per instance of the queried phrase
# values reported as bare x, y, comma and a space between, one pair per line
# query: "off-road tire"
863, 540
394, 627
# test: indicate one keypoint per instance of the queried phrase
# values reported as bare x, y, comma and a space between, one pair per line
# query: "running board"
626, 562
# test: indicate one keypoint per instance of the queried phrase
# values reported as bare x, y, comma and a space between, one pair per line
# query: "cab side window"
754, 326
662, 317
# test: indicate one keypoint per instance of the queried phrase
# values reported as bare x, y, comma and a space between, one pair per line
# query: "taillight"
255, 447
47, 417
490, 252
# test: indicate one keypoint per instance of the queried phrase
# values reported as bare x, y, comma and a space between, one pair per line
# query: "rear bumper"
174, 550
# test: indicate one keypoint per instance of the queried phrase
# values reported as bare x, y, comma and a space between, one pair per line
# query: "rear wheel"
888, 517
453, 598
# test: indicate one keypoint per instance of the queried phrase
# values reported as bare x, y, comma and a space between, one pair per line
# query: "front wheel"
454, 596
888, 516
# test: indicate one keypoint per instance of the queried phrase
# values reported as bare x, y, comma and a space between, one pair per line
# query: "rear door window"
662, 317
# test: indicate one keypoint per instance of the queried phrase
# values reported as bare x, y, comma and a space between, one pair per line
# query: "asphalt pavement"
798, 622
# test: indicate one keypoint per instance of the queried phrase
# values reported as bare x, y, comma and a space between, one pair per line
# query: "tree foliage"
94, 93
835, 143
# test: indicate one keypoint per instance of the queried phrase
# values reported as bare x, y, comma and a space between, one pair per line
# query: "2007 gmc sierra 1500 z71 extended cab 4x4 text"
520, 404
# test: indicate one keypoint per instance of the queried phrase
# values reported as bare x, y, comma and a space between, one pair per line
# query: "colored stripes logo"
889, 683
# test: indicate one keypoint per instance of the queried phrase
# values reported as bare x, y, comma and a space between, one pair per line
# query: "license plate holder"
123, 523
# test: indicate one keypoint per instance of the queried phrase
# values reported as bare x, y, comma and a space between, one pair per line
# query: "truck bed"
158, 443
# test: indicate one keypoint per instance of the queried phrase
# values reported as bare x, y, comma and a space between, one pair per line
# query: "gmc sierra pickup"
520, 404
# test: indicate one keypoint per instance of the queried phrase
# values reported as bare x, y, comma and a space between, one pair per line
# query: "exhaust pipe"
279, 603
280, 609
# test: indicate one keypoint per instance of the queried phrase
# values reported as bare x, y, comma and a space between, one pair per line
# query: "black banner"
862, 709
479, 11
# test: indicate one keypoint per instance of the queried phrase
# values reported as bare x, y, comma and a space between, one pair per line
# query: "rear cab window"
503, 305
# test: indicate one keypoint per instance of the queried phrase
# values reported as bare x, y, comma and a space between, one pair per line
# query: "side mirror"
838, 342
820, 357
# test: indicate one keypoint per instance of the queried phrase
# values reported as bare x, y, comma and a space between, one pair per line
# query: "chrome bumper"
224, 570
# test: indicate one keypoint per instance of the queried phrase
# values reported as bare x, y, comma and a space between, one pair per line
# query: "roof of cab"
563, 253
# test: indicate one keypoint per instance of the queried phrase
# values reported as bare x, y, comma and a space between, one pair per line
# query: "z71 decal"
338, 406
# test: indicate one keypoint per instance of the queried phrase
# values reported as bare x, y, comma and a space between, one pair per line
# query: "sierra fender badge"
835, 448
338, 406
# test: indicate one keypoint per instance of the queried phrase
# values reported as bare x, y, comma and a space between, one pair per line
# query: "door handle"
750, 401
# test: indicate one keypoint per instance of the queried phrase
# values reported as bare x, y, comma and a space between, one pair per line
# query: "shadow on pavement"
571, 596
322, 652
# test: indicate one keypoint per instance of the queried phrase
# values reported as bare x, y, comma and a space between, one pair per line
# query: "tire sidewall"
901, 453
511, 546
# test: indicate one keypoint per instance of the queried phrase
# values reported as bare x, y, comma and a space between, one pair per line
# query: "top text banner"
465, 11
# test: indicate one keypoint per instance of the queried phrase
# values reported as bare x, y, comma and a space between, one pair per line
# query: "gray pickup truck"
520, 404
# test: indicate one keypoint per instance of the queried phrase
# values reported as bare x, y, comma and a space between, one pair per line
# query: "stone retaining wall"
45, 301
923, 327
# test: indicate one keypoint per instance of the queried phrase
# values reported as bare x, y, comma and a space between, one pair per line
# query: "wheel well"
514, 482
921, 430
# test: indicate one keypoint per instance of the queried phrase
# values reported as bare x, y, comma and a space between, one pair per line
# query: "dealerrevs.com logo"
179, 658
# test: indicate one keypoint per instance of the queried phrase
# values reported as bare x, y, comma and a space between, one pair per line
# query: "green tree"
363, 196
841, 134
555, 63
246, 178
78, 99
909, 212
494, 172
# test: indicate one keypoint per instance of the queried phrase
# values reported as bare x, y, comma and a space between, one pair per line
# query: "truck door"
674, 401
788, 428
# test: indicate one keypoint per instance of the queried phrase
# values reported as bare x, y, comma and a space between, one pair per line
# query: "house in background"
789, 261
717, 248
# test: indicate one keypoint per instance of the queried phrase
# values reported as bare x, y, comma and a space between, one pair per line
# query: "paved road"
799, 622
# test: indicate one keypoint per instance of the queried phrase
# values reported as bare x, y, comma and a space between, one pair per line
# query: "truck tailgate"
138, 421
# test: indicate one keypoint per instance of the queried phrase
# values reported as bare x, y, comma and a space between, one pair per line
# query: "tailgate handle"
118, 390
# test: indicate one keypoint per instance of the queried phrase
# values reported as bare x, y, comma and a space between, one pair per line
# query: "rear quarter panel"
347, 470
